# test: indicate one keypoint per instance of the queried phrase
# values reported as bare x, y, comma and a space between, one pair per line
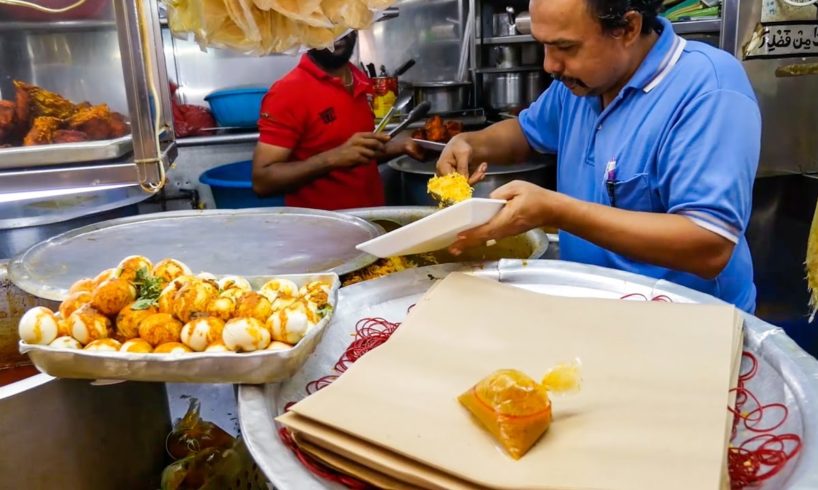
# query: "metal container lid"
259, 241
410, 165
440, 84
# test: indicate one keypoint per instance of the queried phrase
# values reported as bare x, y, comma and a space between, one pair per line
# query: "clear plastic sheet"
786, 373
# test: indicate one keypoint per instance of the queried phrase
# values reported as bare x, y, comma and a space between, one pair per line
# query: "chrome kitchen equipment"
786, 373
523, 22
503, 23
447, 96
398, 106
505, 91
418, 113
250, 242
415, 175
507, 56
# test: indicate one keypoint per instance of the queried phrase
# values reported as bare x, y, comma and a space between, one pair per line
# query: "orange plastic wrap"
514, 408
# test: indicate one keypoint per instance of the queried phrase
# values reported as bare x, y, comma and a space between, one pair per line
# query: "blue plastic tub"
232, 187
237, 107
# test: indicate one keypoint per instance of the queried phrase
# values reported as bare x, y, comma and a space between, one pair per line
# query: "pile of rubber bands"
763, 454
369, 334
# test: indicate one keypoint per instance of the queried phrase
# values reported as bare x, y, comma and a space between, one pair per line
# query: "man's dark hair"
611, 13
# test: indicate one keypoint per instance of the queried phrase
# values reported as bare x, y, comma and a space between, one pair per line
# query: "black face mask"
333, 60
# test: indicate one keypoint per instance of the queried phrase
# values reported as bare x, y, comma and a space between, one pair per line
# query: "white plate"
434, 232
430, 145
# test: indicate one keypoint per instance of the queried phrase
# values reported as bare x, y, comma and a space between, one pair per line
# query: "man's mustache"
567, 80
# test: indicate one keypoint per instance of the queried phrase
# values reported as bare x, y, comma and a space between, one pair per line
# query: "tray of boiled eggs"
141, 321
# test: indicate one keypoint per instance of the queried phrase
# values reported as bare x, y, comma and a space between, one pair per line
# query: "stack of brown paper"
652, 412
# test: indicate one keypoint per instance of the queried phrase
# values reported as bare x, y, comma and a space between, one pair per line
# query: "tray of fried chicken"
437, 132
40, 127
159, 322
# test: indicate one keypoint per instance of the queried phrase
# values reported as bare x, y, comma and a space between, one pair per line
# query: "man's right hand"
457, 157
360, 149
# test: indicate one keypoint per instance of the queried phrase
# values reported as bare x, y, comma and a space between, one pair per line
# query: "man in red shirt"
316, 144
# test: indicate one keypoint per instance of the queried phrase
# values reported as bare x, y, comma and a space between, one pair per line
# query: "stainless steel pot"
503, 24
505, 56
505, 91
534, 86
523, 22
446, 96
415, 175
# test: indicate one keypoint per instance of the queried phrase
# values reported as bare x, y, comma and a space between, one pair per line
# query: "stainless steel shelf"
72, 25
521, 38
710, 26
221, 139
515, 69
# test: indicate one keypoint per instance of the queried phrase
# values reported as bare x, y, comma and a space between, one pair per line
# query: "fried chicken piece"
435, 130
119, 125
69, 136
419, 134
42, 131
46, 103
94, 121
8, 120
22, 107
453, 128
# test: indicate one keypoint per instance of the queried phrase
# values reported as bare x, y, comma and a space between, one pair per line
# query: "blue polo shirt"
683, 136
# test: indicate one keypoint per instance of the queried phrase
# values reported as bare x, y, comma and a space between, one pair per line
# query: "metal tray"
430, 145
786, 373
44, 155
193, 367
247, 242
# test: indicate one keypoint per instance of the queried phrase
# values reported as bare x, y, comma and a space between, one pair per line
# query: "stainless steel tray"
248, 242
786, 373
44, 155
193, 367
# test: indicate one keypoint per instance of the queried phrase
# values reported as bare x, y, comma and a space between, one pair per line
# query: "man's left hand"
528, 206
403, 145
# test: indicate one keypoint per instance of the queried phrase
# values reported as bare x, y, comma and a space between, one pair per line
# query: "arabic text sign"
784, 41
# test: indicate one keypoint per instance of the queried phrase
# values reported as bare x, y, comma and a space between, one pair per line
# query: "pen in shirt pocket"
610, 181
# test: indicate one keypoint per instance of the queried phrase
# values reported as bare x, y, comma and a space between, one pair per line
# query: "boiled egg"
63, 327
192, 300
233, 293
86, 284
136, 346
104, 345
217, 346
222, 307
316, 292
171, 348
245, 334
206, 276
292, 323
279, 288
87, 325
253, 305
128, 320
113, 295
73, 301
201, 332
278, 346
160, 328
170, 269
104, 276
130, 266
65, 342
38, 326
166, 297
230, 282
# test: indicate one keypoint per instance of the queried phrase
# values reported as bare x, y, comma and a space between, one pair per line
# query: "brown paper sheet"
651, 413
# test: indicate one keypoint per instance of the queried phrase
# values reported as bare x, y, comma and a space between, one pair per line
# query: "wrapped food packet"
516, 409
191, 434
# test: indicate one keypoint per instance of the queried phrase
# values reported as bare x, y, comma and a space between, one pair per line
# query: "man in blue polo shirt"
657, 142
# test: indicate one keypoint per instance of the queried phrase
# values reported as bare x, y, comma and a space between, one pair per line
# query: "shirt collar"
660, 60
362, 82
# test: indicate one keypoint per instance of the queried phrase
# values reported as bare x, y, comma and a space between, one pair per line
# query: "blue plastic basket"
237, 107
232, 187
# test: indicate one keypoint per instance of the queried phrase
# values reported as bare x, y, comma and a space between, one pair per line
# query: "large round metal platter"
786, 373
251, 242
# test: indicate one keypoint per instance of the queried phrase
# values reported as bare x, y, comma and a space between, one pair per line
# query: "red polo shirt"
310, 112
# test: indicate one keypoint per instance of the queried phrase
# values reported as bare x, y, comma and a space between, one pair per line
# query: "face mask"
333, 60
